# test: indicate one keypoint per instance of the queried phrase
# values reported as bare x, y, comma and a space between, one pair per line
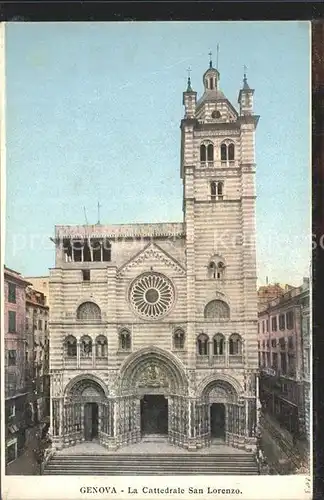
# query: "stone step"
180, 464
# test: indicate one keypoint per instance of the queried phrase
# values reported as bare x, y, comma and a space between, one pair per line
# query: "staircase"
151, 465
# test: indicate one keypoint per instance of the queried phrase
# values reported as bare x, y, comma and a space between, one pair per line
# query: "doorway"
90, 421
154, 414
217, 420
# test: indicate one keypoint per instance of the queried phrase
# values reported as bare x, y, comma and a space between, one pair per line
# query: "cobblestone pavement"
145, 448
26, 465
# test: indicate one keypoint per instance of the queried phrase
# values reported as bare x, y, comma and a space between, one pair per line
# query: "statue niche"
152, 376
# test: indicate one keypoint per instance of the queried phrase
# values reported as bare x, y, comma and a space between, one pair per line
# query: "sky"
93, 112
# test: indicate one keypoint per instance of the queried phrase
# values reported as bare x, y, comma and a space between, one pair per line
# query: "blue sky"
93, 113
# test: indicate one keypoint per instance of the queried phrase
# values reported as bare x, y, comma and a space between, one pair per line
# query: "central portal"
154, 414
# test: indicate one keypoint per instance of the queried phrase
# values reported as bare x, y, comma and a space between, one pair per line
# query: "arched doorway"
154, 414
84, 404
153, 380
220, 395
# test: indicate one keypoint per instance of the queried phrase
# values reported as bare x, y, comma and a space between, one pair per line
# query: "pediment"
152, 256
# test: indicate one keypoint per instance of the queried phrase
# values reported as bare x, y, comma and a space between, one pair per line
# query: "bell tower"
218, 173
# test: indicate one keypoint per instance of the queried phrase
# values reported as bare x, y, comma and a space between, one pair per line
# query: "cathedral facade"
153, 327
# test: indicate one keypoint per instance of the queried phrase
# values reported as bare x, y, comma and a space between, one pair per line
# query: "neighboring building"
284, 357
37, 354
270, 292
41, 284
154, 326
16, 382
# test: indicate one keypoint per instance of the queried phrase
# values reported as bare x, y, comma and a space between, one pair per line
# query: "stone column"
210, 352
78, 353
226, 351
94, 347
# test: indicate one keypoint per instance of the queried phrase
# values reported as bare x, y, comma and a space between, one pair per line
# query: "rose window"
152, 295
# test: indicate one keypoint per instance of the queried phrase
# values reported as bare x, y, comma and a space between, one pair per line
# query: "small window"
203, 153
223, 152
125, 340
12, 293
12, 321
281, 322
273, 343
11, 410
45, 325
12, 358
263, 327
211, 84
267, 325
216, 114
231, 152
86, 274
210, 153
213, 189
274, 326
220, 186
178, 339
40, 324
290, 342
290, 320
11, 454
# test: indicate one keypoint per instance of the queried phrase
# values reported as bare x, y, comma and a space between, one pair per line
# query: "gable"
151, 257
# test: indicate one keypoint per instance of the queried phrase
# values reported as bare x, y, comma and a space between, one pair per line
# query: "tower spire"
189, 88
245, 82
210, 59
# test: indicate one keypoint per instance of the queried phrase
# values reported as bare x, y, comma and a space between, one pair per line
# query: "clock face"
216, 114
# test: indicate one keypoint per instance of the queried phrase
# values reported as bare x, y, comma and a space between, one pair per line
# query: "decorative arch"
78, 384
217, 309
88, 310
226, 382
153, 367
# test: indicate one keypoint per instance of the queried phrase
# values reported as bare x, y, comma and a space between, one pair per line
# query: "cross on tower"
189, 71
210, 59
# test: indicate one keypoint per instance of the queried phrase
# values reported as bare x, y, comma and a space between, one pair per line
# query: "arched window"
216, 269
231, 152
217, 309
212, 269
219, 344
210, 152
213, 189
211, 84
178, 339
220, 187
203, 156
235, 345
125, 340
88, 311
202, 345
70, 347
227, 152
101, 347
85, 346
223, 152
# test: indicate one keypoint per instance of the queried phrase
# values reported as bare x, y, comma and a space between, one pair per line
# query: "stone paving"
25, 464
154, 448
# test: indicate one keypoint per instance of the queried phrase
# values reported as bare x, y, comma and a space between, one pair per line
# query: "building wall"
283, 359
16, 391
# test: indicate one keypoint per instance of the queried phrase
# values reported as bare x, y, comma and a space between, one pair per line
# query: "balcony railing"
218, 164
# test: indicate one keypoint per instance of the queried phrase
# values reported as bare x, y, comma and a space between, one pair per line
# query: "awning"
13, 428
